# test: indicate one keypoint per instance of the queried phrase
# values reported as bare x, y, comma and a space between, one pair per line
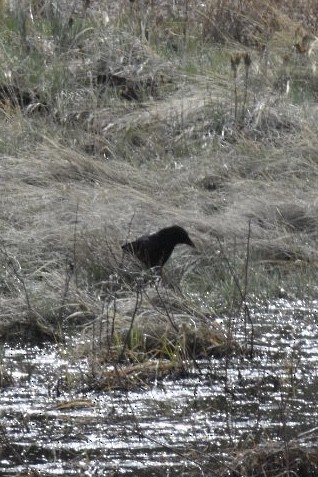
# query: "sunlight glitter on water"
227, 400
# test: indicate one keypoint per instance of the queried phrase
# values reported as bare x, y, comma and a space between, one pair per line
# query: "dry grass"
97, 168
146, 124
272, 458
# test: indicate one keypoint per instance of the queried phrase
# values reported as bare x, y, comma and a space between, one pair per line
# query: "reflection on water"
171, 427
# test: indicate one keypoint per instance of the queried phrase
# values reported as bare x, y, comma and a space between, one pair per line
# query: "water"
166, 428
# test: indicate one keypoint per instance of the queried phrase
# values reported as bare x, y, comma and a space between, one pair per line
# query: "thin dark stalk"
137, 304
235, 98
186, 20
113, 319
246, 309
164, 305
110, 322
69, 269
247, 260
235, 62
247, 64
241, 292
74, 246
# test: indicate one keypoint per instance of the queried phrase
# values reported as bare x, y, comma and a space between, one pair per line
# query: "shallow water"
171, 427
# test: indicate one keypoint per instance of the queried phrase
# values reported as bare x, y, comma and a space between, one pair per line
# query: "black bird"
155, 249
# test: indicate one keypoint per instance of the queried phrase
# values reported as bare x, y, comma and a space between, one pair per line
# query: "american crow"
155, 249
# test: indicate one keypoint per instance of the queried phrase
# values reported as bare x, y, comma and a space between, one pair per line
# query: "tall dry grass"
95, 168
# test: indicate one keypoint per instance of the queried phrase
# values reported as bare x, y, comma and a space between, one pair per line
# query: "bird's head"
180, 235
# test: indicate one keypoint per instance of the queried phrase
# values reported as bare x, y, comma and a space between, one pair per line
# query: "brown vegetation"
272, 458
95, 169
201, 114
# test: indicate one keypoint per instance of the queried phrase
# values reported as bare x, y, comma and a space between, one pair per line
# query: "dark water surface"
167, 428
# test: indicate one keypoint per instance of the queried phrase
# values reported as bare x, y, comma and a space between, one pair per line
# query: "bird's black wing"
139, 248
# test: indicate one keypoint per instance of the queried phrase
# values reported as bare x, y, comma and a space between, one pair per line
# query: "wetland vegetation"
120, 118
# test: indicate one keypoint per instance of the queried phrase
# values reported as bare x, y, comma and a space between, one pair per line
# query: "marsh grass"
207, 143
273, 457
202, 140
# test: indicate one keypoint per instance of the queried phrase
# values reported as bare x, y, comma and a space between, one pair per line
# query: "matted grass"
217, 149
